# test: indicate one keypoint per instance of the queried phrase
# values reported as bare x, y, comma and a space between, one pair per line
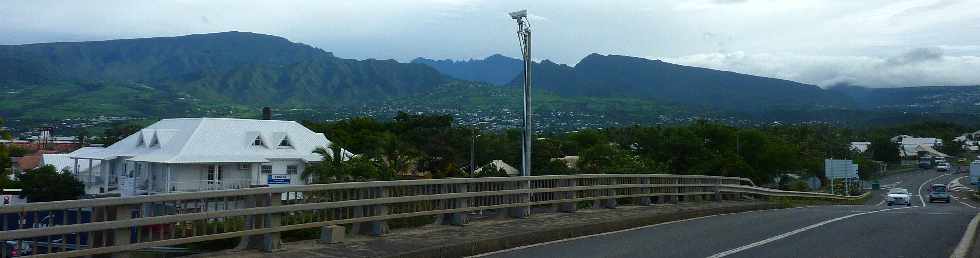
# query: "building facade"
200, 154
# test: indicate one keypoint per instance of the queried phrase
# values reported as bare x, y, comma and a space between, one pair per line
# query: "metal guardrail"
121, 224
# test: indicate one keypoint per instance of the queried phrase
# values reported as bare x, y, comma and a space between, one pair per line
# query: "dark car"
937, 192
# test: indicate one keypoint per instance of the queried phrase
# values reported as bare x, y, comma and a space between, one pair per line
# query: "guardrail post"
251, 222
379, 227
644, 200
611, 202
271, 241
522, 211
674, 190
121, 236
717, 196
460, 218
332, 234
568, 195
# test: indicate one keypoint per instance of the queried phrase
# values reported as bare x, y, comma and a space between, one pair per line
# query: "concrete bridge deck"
486, 235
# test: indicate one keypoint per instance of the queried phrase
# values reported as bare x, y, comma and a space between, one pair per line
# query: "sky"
874, 43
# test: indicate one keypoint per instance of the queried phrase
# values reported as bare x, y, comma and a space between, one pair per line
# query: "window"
214, 173
285, 142
266, 169
243, 166
291, 169
258, 141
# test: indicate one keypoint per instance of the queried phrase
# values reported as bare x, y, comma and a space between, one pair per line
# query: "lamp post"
524, 36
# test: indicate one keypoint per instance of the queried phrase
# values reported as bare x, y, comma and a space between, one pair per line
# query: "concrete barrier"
968, 244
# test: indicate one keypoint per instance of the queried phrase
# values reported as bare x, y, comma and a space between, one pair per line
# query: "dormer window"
285, 143
155, 142
140, 141
258, 141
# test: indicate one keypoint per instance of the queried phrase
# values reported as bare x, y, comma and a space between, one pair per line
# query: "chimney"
266, 113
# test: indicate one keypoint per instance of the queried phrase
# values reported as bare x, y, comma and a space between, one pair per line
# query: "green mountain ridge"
235, 73
622, 76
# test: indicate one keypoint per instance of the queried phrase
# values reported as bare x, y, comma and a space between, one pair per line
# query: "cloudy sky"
879, 43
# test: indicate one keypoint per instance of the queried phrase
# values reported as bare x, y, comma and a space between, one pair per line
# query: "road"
870, 230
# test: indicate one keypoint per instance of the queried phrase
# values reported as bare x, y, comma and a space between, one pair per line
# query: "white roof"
63, 161
59, 161
921, 141
214, 140
860, 146
500, 164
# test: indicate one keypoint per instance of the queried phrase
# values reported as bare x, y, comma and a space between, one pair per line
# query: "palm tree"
330, 169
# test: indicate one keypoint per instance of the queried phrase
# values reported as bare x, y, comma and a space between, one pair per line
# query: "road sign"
278, 179
840, 168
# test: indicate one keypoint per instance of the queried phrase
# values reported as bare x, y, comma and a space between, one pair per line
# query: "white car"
942, 167
898, 196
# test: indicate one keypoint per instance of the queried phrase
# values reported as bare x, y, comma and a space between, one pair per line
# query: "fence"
117, 225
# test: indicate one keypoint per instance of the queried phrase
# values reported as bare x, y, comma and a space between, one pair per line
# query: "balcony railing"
209, 185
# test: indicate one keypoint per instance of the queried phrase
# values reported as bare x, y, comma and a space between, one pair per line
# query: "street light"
524, 36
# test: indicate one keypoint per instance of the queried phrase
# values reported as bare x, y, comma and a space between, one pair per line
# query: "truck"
925, 162
974, 171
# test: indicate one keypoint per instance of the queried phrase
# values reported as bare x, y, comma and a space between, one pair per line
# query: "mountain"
944, 99
623, 76
235, 73
154, 58
204, 70
496, 69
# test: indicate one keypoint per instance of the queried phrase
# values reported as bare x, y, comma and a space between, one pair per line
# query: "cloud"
916, 67
917, 55
874, 42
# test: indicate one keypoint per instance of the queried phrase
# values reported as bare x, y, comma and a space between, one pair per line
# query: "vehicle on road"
898, 196
16, 249
925, 162
942, 167
937, 192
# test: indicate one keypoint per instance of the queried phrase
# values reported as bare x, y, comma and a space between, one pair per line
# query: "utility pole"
524, 36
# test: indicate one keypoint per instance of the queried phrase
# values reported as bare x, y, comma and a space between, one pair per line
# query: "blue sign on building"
278, 179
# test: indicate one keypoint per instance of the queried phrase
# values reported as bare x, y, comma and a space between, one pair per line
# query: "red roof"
29, 162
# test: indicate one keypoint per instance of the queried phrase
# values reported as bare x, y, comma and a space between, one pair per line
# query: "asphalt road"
870, 230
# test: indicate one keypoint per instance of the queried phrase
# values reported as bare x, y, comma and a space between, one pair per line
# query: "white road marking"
794, 232
965, 203
618, 231
955, 185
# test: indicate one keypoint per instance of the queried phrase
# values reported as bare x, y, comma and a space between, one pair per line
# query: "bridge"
119, 226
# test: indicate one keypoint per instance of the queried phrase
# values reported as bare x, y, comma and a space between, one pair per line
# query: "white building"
912, 146
200, 154
499, 164
860, 146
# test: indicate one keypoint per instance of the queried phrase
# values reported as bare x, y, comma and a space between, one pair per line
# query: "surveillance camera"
518, 14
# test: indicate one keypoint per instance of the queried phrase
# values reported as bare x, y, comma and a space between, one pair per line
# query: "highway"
870, 230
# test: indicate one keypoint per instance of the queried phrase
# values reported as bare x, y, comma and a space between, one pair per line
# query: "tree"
883, 149
117, 132
83, 137
46, 184
330, 169
4, 156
